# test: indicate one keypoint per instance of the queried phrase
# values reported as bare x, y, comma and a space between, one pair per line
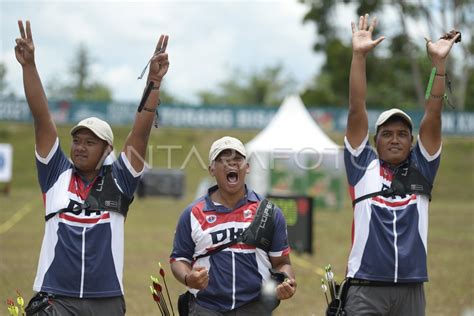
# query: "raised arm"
45, 130
362, 44
430, 127
137, 140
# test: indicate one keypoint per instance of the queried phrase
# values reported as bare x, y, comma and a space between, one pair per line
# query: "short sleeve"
280, 245
183, 244
127, 178
356, 160
427, 164
50, 168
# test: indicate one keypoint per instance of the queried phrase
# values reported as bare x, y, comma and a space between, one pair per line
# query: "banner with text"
222, 117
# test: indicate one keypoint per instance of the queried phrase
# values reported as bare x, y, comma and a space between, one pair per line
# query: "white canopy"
291, 134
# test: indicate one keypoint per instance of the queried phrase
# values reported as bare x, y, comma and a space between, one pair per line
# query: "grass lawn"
151, 223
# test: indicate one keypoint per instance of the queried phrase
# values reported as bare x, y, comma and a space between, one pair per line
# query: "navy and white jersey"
82, 254
389, 234
236, 274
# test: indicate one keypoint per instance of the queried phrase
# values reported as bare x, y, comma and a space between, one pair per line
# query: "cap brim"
78, 127
218, 152
398, 113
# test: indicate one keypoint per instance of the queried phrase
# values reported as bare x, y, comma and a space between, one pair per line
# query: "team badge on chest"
211, 218
247, 213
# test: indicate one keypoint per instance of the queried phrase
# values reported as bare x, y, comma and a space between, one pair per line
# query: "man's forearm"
357, 84
180, 271
438, 88
137, 140
35, 94
357, 119
430, 125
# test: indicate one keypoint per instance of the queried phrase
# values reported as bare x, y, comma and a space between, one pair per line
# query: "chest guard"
260, 231
258, 234
407, 179
103, 196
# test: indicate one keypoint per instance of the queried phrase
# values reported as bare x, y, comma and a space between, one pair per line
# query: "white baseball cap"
384, 116
224, 143
97, 126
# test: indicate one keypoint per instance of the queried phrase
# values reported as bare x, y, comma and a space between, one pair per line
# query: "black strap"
407, 179
218, 249
104, 195
362, 282
259, 233
72, 207
145, 95
370, 195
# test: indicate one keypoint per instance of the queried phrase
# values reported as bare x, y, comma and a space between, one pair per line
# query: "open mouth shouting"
232, 177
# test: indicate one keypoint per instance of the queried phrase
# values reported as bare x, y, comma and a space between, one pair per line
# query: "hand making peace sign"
25, 49
159, 61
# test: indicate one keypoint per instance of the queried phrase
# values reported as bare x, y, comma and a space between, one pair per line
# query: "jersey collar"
250, 196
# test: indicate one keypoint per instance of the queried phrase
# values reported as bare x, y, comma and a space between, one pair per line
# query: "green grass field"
151, 223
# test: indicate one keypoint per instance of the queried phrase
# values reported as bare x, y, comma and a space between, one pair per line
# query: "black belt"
361, 282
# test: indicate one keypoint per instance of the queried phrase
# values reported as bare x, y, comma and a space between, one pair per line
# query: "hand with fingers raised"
159, 62
362, 42
439, 50
25, 49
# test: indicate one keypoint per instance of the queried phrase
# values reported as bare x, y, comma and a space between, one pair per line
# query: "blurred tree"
397, 75
82, 87
265, 88
3, 83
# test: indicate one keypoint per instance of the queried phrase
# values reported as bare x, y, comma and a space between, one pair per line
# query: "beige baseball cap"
224, 143
97, 126
384, 116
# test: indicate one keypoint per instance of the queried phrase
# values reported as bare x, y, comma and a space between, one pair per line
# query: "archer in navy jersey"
81, 241
390, 186
86, 201
230, 279
390, 234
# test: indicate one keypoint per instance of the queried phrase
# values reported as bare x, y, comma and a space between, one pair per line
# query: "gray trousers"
257, 308
399, 300
68, 306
